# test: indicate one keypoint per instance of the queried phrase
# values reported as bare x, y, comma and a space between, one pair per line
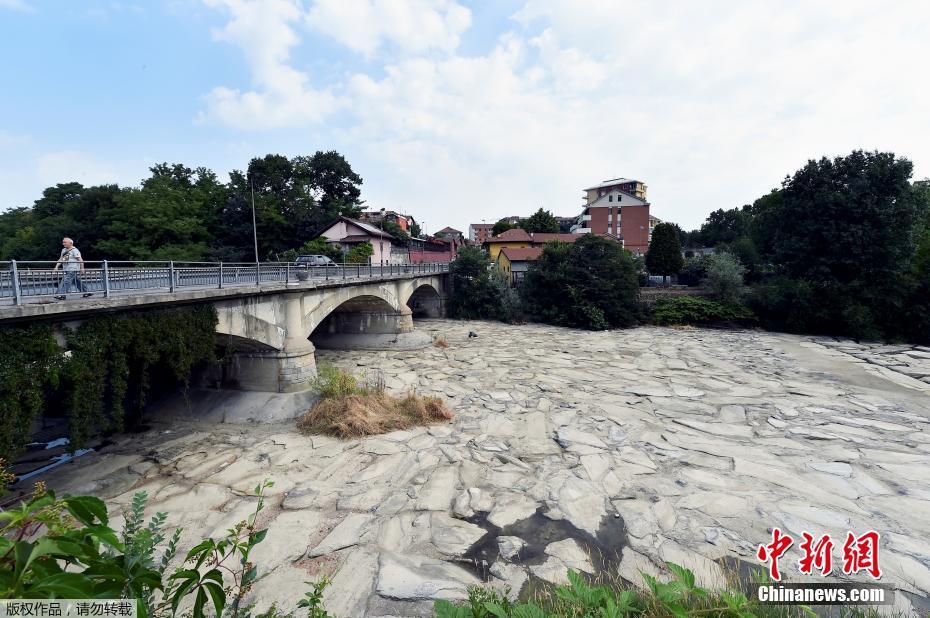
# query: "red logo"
859, 554
817, 555
773, 551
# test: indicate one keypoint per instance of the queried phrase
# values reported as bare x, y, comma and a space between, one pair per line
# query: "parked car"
314, 260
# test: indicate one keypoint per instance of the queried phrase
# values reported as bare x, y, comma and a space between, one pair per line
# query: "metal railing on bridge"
22, 282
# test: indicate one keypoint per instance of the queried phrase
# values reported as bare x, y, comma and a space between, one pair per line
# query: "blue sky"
460, 112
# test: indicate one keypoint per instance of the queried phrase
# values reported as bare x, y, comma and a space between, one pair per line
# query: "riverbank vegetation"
65, 548
101, 384
349, 408
674, 595
842, 248
187, 214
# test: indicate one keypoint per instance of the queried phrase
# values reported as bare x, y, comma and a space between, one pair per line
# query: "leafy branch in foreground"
678, 597
64, 548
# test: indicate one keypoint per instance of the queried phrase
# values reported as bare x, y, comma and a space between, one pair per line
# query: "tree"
724, 226
664, 254
541, 221
725, 277
474, 295
165, 219
843, 243
847, 219
403, 238
502, 226
415, 230
360, 254
591, 283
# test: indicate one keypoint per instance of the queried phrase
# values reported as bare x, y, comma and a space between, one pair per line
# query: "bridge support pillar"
284, 371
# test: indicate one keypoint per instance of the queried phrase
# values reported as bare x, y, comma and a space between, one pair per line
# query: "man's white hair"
66, 238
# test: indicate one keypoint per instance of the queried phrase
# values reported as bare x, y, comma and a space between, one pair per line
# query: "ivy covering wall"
30, 361
104, 378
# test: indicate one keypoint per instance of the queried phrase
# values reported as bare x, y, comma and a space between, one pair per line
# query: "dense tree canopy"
591, 283
664, 255
502, 226
185, 214
541, 221
478, 290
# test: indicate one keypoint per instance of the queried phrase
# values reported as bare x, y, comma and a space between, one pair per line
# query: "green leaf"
677, 610
217, 595
684, 575
63, 586
445, 609
87, 509
528, 610
495, 610
258, 537
199, 602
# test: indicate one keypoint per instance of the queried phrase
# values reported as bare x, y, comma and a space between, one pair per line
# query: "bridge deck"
117, 290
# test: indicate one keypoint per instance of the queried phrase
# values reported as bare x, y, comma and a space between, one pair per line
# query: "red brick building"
479, 232
618, 208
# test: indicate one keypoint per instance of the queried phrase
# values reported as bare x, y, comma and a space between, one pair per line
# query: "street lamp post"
381, 241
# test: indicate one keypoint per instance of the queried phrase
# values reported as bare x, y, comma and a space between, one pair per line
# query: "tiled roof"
549, 237
610, 183
449, 230
527, 254
359, 238
516, 234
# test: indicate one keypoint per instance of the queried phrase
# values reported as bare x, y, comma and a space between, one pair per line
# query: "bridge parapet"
272, 329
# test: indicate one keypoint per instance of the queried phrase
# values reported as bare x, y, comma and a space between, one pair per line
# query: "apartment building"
618, 208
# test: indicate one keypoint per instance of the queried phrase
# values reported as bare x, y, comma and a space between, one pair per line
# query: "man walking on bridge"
73, 266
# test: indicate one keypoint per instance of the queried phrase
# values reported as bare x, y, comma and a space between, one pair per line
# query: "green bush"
77, 555
479, 289
590, 284
725, 277
360, 254
334, 383
694, 272
678, 597
698, 310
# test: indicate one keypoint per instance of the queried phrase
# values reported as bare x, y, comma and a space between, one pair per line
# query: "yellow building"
514, 262
516, 238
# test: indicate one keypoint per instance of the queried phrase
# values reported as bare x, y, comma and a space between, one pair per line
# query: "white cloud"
74, 166
412, 25
710, 104
16, 5
283, 96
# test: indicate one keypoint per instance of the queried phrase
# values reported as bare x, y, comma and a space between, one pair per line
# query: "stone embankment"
583, 450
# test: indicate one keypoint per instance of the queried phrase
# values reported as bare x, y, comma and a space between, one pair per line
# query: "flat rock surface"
700, 440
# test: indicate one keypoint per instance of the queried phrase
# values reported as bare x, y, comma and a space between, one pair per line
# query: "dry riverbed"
569, 449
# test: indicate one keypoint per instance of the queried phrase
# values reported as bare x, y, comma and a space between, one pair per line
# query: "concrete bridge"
271, 329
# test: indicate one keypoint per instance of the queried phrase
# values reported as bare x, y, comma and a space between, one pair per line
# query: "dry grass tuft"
347, 410
368, 414
440, 342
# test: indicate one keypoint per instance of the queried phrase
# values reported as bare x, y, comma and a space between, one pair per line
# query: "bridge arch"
249, 324
425, 301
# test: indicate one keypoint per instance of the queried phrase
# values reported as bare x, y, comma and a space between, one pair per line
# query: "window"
610, 198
